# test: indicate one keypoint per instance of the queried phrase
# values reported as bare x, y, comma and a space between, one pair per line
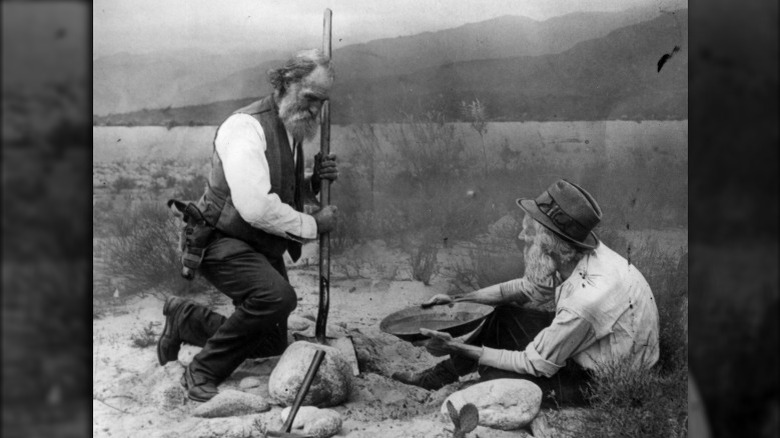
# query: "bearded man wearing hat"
604, 312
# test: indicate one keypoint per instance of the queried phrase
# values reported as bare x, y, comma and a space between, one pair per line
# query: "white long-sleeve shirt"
241, 145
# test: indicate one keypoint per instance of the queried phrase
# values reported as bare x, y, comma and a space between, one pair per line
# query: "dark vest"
217, 204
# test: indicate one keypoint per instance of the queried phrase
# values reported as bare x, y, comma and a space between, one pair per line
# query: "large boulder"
504, 404
331, 385
314, 422
231, 403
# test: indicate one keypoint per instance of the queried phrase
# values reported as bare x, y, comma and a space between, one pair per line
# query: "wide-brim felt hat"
567, 210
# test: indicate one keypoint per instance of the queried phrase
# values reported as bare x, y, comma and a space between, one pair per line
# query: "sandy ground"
134, 396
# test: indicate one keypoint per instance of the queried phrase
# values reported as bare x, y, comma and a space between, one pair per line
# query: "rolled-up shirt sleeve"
241, 144
538, 294
547, 353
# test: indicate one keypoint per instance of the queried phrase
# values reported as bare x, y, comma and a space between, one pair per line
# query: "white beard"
539, 265
299, 122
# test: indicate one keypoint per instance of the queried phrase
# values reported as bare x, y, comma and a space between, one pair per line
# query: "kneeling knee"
288, 300
281, 301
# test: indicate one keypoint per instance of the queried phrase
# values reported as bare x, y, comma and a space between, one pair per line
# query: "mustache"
299, 111
302, 128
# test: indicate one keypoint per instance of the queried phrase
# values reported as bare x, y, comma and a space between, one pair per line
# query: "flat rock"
315, 422
331, 385
235, 427
504, 404
231, 403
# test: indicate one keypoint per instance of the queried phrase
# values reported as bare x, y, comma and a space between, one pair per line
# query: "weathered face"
301, 104
528, 233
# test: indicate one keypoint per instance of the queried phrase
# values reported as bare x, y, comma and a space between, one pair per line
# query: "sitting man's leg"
509, 327
565, 388
257, 328
513, 331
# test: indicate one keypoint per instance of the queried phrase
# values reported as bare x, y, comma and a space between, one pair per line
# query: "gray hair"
297, 68
552, 244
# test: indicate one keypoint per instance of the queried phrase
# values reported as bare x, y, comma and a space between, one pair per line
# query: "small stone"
297, 323
504, 404
315, 422
249, 382
230, 403
170, 396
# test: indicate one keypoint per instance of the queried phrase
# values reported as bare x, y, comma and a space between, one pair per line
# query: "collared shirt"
605, 312
241, 146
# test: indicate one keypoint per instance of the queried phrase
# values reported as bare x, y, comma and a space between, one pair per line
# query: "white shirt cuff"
308, 227
521, 362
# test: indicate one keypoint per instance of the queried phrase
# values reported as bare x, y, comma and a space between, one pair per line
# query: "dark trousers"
263, 297
512, 327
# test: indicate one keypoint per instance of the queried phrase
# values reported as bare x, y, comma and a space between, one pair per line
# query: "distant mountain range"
579, 66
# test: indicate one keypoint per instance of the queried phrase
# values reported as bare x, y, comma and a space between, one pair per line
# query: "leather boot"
443, 373
170, 341
198, 389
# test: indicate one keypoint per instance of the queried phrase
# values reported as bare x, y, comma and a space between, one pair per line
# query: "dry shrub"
667, 275
143, 250
123, 183
487, 264
428, 149
145, 337
627, 402
191, 189
423, 261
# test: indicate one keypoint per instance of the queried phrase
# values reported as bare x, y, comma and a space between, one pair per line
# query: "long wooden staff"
324, 306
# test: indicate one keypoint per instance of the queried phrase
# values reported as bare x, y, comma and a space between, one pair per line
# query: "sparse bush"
667, 275
144, 250
627, 402
365, 153
429, 149
191, 189
476, 114
123, 183
486, 265
423, 261
145, 337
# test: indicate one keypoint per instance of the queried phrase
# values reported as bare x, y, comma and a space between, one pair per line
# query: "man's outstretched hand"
441, 343
325, 218
438, 299
324, 168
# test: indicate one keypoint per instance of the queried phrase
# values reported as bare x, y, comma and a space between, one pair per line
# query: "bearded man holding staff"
254, 205
604, 308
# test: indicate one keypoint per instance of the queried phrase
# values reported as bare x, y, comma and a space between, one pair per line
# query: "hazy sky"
44, 40
138, 26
